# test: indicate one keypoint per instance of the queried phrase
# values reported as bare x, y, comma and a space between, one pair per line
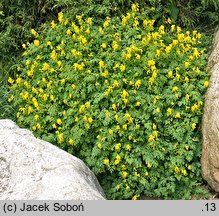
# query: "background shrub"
126, 97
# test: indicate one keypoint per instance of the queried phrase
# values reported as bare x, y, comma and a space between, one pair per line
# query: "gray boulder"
32, 169
210, 123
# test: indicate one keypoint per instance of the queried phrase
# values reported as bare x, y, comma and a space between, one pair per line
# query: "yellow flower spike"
36, 43
146, 173
116, 117
187, 147
187, 97
59, 121
117, 127
76, 119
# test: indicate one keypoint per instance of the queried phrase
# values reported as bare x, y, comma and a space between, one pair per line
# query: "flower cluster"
126, 97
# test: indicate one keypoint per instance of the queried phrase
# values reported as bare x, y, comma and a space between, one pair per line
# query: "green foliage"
126, 97
17, 17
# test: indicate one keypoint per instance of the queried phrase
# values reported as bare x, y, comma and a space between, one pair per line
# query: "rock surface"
32, 169
210, 124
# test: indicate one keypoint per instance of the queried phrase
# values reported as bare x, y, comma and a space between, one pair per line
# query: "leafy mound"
126, 97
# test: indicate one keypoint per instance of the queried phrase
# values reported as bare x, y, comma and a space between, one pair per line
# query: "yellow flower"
177, 169
89, 20
103, 45
71, 141
106, 24
170, 74
169, 21
187, 147
115, 46
59, 121
45, 67
10, 80
106, 162
117, 160
24, 46
189, 167
122, 68
206, 84
177, 115
33, 32
184, 172
36, 43
99, 145
60, 138
117, 127
116, 117
187, 97
173, 28
138, 83
53, 25
134, 8
114, 107
193, 126
60, 16
186, 79
124, 174
124, 126
187, 64
158, 110
90, 120
34, 128
175, 89
101, 64
38, 126
146, 173
110, 131
124, 93
68, 32
134, 197
118, 146
151, 63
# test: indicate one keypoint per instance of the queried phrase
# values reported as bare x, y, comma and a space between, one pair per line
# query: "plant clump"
126, 97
